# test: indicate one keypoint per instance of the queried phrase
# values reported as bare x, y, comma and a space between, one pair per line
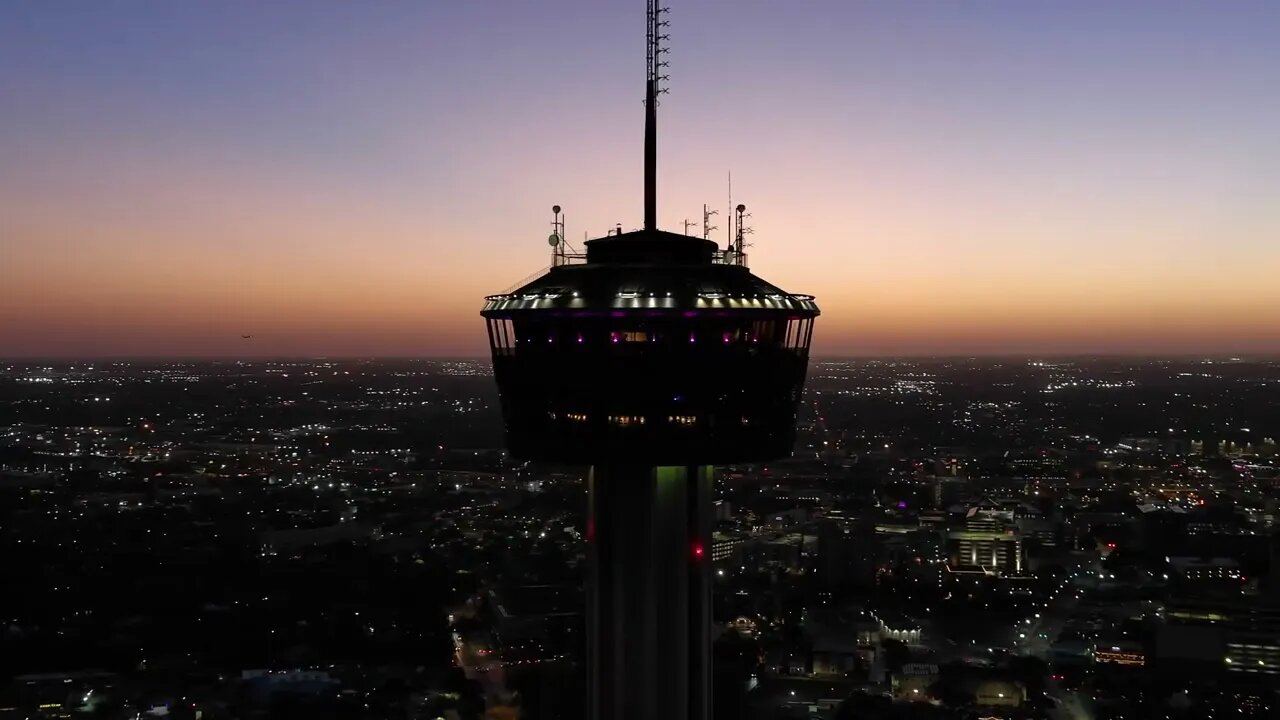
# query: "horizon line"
1238, 357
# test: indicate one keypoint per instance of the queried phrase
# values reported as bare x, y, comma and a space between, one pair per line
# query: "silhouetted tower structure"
651, 357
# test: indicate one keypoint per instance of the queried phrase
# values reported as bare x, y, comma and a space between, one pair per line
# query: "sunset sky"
351, 178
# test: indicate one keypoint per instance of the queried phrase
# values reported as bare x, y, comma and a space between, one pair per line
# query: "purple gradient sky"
351, 178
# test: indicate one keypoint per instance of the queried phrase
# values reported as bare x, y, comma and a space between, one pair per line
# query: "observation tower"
651, 357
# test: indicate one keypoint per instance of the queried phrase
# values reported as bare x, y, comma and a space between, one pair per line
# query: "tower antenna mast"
655, 37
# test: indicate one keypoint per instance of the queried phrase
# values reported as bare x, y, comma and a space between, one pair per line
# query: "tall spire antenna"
654, 64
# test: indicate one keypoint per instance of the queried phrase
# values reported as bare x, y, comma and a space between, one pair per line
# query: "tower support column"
649, 592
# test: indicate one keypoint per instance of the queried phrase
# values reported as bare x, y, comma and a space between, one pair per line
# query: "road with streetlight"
1034, 634
1068, 705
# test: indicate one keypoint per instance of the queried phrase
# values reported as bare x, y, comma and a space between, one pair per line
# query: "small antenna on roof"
741, 229
707, 227
556, 238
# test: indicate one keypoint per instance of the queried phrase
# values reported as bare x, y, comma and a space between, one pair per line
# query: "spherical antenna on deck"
555, 209
742, 208
553, 239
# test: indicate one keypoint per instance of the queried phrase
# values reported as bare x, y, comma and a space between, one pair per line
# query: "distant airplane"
245, 337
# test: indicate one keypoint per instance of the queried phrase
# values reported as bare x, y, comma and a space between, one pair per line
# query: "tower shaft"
649, 592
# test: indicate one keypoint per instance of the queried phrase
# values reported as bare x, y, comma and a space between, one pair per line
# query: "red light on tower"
697, 551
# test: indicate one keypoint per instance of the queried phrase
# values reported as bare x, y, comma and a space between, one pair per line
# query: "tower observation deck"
652, 352
655, 358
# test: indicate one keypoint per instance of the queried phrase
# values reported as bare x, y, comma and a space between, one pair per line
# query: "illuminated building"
651, 357
724, 548
1122, 654
1198, 575
989, 543
897, 626
1236, 635
999, 693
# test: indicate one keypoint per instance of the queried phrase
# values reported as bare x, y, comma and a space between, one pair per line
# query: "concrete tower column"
649, 592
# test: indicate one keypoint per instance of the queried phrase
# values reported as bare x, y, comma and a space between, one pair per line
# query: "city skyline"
1094, 538
1067, 177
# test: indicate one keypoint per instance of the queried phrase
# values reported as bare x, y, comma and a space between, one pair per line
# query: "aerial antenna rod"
741, 230
557, 237
654, 65
729, 229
